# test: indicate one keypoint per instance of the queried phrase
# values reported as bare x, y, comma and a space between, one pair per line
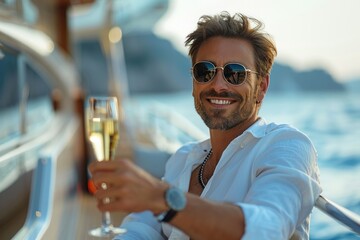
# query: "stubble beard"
216, 119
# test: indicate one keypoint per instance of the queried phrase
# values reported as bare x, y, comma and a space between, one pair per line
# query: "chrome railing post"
339, 213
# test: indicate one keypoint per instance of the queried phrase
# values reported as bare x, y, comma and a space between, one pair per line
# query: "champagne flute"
102, 129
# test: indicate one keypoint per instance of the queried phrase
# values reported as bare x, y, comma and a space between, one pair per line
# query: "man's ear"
263, 87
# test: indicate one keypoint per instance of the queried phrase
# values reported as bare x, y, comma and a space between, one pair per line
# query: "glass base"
110, 231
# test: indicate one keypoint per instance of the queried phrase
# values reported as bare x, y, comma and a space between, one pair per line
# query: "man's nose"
219, 82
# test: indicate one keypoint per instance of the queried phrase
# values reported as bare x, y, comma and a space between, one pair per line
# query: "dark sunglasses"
233, 73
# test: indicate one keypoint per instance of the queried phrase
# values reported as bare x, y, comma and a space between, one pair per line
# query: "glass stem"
106, 222
106, 219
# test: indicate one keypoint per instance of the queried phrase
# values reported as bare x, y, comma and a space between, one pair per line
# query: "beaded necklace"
202, 166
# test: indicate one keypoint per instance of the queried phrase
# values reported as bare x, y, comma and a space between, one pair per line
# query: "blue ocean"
331, 120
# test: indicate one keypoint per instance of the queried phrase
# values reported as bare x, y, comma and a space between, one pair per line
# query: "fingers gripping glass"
233, 73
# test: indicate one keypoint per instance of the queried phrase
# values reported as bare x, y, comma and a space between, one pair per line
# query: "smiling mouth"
220, 101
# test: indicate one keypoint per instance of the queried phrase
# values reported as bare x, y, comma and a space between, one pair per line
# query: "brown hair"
237, 26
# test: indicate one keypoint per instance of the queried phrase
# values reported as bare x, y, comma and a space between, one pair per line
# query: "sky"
308, 33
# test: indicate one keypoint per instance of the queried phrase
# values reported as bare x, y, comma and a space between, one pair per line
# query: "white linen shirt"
270, 171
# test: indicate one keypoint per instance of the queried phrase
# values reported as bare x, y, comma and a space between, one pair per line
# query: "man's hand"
128, 187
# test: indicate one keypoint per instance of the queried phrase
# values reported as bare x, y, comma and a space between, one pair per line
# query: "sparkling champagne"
103, 135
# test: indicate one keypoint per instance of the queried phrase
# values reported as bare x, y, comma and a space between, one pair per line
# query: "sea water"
331, 120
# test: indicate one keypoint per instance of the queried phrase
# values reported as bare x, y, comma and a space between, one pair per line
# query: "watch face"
175, 198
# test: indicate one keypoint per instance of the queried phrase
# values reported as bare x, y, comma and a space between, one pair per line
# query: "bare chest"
195, 186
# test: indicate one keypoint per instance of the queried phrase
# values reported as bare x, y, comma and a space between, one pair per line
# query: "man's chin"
223, 126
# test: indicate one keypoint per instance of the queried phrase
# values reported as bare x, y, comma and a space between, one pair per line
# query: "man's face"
221, 105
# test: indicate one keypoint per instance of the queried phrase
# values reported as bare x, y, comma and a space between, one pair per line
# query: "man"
250, 180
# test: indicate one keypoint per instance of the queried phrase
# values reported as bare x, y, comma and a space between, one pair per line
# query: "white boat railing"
43, 184
344, 216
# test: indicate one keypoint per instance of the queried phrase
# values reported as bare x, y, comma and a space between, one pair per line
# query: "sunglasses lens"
235, 73
203, 71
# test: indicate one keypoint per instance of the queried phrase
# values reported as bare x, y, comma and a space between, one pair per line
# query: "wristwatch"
176, 201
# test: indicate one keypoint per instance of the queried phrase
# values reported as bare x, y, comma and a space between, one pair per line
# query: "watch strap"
167, 216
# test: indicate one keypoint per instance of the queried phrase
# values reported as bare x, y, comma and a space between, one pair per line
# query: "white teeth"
221, 102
